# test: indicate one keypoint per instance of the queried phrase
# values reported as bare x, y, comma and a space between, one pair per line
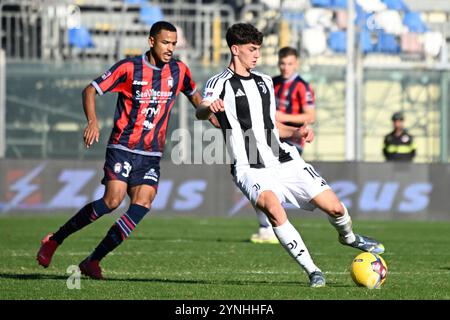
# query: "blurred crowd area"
53, 49
388, 31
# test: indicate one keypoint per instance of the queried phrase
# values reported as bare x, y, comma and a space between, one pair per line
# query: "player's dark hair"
161, 25
243, 33
287, 51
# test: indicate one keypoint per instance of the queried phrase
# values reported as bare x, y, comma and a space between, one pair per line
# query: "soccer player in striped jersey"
147, 87
295, 106
268, 171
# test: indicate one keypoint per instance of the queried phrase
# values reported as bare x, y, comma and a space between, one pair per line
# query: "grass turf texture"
211, 258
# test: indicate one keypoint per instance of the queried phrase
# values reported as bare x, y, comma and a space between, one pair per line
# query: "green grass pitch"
187, 258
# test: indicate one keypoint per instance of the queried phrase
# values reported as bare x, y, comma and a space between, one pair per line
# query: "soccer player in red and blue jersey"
295, 96
147, 87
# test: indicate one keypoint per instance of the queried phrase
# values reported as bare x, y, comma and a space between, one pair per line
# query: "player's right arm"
117, 79
206, 108
92, 130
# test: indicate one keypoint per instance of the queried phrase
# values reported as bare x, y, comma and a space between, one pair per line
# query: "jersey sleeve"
213, 88
114, 79
189, 87
306, 95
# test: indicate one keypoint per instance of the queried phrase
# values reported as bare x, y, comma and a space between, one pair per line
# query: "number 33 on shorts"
125, 168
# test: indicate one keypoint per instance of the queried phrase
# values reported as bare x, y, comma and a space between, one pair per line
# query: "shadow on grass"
200, 239
40, 276
32, 276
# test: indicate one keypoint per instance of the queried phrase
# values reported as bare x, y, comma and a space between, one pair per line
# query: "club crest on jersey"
117, 167
170, 82
263, 87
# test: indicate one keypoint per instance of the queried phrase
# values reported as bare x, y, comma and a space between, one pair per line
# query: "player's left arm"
303, 132
309, 116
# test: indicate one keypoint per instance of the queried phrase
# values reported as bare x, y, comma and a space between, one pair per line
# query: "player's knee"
335, 209
270, 204
113, 203
277, 219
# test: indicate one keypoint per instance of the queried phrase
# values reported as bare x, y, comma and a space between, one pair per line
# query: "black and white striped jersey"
249, 117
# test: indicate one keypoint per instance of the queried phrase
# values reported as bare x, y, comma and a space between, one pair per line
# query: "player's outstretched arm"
196, 101
304, 132
309, 116
206, 108
91, 131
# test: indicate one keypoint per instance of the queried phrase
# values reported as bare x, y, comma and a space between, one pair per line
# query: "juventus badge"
263, 87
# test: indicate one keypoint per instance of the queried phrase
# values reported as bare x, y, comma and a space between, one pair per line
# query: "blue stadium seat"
361, 16
80, 38
293, 16
414, 23
322, 3
135, 1
365, 42
341, 4
398, 5
337, 41
150, 14
387, 43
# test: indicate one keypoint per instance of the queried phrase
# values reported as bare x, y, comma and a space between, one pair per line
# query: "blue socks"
89, 213
119, 231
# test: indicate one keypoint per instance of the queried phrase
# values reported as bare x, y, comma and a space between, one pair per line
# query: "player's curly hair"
243, 33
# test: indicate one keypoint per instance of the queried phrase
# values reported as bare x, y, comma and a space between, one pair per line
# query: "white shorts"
294, 181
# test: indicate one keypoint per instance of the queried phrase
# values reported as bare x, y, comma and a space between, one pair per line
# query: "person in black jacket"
399, 144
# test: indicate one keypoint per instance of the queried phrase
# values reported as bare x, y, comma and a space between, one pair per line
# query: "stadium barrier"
370, 190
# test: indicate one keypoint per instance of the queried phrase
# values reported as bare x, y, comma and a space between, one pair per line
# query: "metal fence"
39, 30
45, 118
45, 75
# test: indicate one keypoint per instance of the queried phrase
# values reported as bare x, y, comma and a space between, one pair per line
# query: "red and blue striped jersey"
293, 96
146, 95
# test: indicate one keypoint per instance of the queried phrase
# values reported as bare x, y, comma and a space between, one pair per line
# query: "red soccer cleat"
48, 248
91, 268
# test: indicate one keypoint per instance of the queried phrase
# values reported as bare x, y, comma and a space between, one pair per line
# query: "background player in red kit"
295, 96
147, 87
295, 107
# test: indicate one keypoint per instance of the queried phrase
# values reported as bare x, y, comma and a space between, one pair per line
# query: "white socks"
343, 225
291, 240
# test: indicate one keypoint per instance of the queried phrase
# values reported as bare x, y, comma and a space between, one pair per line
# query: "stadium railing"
389, 76
40, 30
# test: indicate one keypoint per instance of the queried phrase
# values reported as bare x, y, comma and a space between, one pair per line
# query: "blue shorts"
132, 168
